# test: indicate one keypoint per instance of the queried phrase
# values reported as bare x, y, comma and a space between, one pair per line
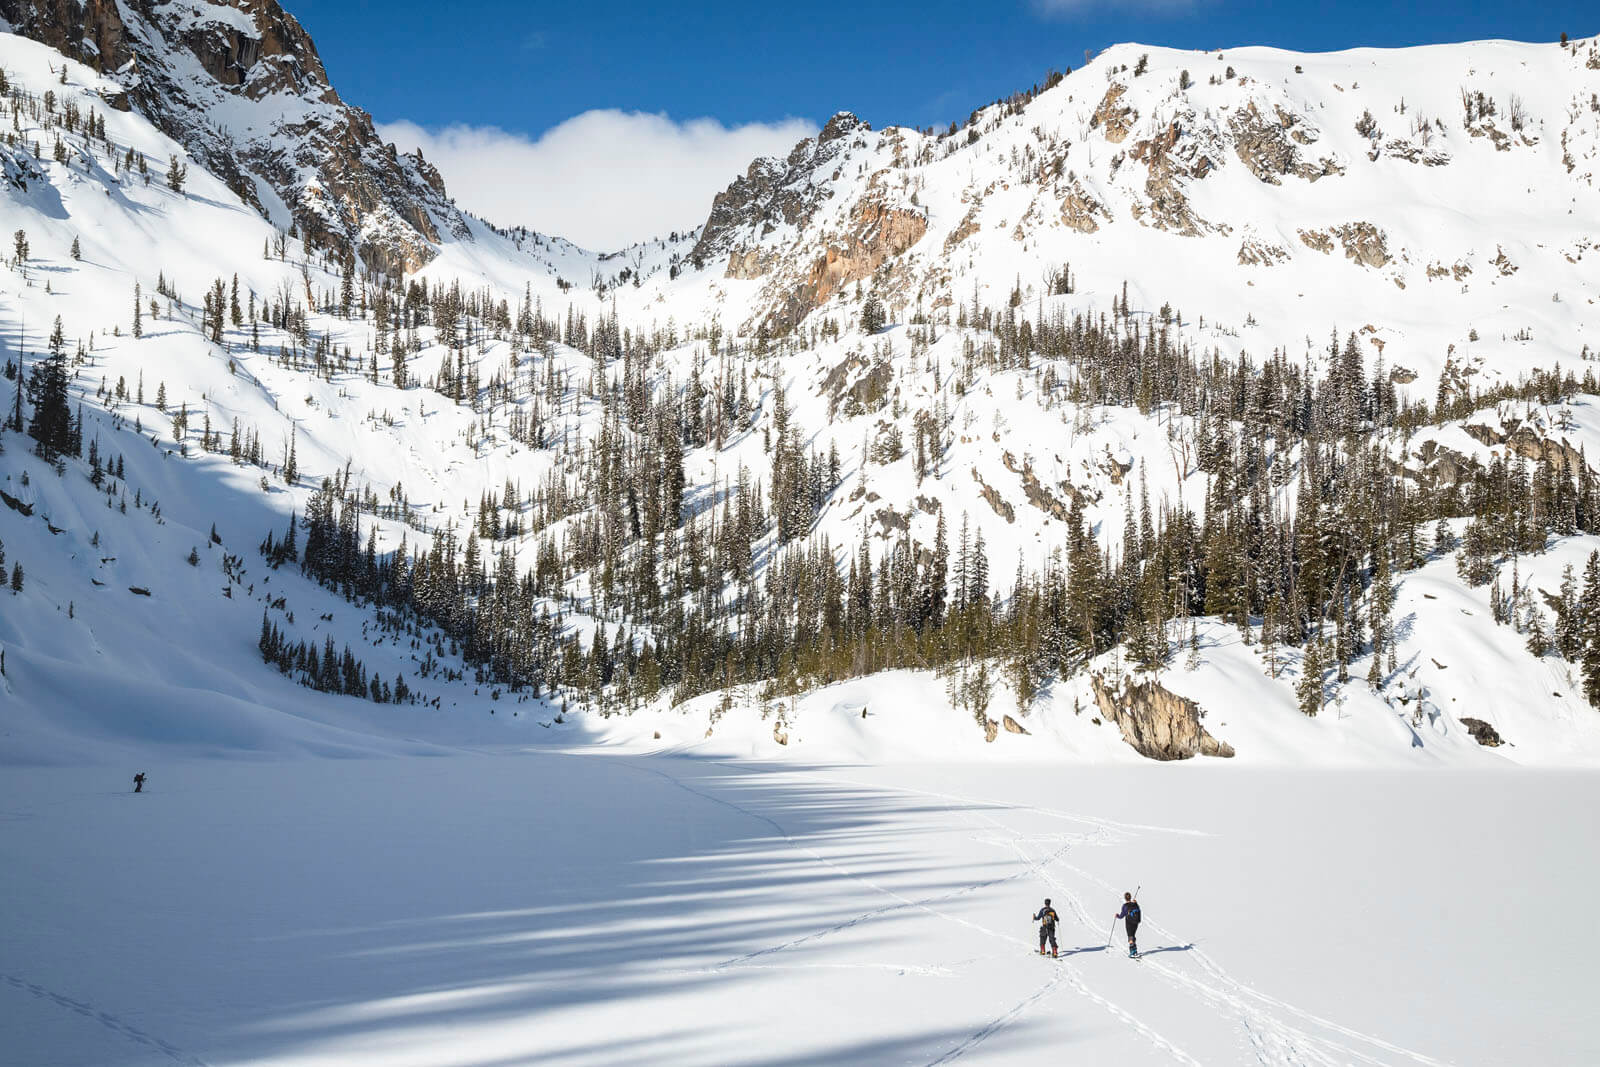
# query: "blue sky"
522, 70
522, 66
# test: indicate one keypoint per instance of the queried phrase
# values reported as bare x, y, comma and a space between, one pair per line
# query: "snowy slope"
843, 876
1249, 198
75, 625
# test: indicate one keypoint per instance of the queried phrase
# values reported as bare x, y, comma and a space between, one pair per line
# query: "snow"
843, 876
77, 630
585, 906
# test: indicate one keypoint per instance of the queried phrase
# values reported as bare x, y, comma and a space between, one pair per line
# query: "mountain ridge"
526, 477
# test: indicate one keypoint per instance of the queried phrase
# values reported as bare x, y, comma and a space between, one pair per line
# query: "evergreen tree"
1308, 690
1591, 629
51, 425
872, 315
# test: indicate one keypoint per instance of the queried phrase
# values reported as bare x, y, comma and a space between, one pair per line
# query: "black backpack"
1133, 911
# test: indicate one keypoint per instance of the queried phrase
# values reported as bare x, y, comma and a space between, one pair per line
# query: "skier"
1047, 919
1130, 915
138, 782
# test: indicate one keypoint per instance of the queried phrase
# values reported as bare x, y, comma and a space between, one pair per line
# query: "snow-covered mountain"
1424, 191
904, 393
240, 88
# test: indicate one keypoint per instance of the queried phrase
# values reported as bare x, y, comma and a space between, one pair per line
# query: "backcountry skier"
138, 782
1130, 915
1047, 919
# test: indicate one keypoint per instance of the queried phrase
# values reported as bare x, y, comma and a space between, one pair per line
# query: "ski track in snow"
1069, 975
1272, 1039
109, 1021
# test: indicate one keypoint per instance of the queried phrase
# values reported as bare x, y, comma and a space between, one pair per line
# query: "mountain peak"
261, 113
842, 123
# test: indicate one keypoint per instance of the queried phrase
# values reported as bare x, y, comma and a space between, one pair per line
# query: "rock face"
772, 191
1526, 441
1080, 210
787, 193
1112, 117
877, 233
1364, 243
1156, 722
1482, 733
296, 152
1267, 147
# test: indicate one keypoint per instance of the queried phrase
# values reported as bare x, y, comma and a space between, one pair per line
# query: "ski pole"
1113, 931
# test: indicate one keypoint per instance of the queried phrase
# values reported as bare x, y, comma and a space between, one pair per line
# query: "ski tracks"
1272, 1039
110, 1022
1068, 975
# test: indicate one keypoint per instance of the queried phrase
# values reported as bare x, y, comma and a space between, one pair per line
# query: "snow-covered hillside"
556, 479
713, 651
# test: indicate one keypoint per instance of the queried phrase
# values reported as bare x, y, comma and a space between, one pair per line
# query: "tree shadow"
607, 910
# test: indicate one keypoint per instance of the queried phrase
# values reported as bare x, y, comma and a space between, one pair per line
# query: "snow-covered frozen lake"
584, 907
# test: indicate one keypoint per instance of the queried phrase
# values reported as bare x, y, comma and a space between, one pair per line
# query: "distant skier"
1130, 915
1047, 919
138, 782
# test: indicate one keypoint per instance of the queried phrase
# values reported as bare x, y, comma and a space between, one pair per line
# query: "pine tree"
1591, 629
1308, 690
138, 316
51, 425
872, 315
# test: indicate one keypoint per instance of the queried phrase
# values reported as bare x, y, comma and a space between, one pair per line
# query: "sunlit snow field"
586, 907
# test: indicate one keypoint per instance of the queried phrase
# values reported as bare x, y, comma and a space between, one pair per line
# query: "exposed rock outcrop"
1175, 156
747, 264
1267, 147
1483, 733
1037, 494
1001, 506
295, 148
877, 233
1256, 252
1155, 721
1114, 118
1529, 443
772, 191
1364, 243
1081, 211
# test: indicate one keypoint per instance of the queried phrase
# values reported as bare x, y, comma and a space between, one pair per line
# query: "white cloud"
604, 178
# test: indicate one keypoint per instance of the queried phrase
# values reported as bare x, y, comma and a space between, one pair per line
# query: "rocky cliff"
1250, 183
1155, 721
240, 85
